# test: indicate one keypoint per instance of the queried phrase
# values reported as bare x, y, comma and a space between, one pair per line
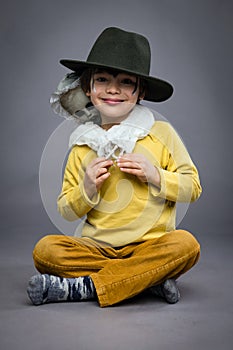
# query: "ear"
141, 97
88, 94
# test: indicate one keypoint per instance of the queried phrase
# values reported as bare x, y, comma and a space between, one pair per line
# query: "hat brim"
158, 90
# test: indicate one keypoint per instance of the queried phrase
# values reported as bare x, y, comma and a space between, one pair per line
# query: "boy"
125, 173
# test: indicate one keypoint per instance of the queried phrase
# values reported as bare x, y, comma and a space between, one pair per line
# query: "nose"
113, 88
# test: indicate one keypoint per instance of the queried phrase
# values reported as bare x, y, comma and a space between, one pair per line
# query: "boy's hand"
96, 174
140, 166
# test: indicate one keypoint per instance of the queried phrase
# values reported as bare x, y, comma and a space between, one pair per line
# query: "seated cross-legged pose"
125, 173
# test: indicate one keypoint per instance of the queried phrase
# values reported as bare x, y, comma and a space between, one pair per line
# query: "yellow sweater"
126, 210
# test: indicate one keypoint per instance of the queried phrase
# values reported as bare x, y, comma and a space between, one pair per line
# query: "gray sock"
48, 288
167, 290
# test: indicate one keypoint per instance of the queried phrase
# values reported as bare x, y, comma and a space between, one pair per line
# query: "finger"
100, 180
136, 172
103, 163
100, 161
128, 164
107, 163
131, 158
125, 157
102, 177
100, 172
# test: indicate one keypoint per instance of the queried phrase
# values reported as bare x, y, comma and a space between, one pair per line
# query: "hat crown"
122, 50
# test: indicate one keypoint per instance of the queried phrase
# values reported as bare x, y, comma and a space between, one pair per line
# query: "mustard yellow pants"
118, 273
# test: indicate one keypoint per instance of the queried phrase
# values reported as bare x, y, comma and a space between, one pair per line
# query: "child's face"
113, 95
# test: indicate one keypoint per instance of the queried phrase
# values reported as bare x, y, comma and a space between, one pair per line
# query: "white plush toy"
69, 98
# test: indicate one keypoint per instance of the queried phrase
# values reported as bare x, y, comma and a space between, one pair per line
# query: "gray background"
191, 44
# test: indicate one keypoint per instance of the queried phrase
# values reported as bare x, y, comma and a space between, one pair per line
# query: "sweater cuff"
174, 187
169, 186
90, 202
158, 191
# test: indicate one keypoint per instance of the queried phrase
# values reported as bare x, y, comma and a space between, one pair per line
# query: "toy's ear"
74, 100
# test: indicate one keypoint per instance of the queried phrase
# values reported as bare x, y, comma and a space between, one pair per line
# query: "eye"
101, 79
128, 81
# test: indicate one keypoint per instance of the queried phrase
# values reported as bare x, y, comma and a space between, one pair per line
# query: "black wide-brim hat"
125, 51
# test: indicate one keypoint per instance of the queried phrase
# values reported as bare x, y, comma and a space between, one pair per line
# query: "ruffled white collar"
119, 139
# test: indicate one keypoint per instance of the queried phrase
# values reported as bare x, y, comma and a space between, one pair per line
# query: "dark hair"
89, 72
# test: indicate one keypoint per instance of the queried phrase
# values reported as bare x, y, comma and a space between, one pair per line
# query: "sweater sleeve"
73, 202
179, 176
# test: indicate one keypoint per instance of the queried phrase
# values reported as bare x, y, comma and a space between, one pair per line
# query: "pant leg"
144, 265
68, 256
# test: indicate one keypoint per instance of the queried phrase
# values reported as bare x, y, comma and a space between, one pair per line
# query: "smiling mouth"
112, 101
